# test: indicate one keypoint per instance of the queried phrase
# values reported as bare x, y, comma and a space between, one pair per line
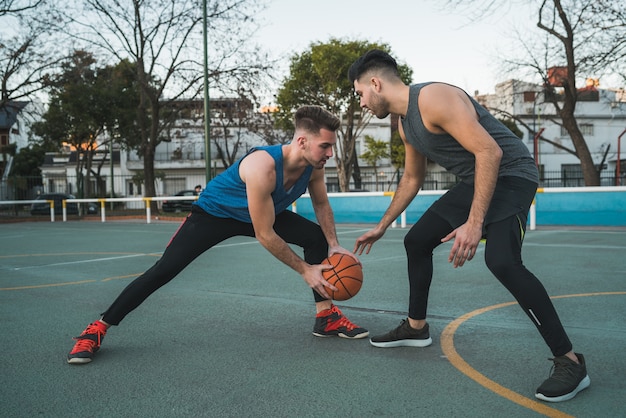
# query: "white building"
601, 116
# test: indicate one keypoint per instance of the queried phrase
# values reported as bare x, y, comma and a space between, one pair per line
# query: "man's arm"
448, 109
259, 174
408, 187
324, 212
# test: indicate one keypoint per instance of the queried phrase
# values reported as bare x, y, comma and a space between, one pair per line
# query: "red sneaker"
332, 322
87, 343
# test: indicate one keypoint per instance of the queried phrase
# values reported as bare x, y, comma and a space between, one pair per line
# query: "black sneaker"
331, 322
567, 379
403, 336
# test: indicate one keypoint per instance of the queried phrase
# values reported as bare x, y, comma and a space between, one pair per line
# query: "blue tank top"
225, 196
447, 152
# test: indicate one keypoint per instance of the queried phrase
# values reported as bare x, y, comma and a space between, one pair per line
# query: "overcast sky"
438, 45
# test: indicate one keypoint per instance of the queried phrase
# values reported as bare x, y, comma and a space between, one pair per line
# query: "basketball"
346, 275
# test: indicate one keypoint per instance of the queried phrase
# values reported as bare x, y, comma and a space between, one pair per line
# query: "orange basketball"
346, 275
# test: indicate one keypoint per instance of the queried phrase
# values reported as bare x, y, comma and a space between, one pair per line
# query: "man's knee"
415, 242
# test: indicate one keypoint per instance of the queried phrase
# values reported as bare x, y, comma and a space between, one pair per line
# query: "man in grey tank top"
442, 123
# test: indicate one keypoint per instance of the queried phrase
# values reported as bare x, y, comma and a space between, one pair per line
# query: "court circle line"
447, 345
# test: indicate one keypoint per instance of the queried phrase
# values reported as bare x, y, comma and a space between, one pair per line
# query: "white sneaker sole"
403, 343
584, 384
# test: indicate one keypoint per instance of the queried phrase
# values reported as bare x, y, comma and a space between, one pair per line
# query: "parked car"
43, 208
179, 205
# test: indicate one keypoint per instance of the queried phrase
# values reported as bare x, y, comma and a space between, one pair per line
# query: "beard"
379, 107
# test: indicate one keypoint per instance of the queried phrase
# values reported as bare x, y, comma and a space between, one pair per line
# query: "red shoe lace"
342, 321
87, 344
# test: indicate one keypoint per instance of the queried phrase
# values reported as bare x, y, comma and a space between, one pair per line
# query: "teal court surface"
231, 335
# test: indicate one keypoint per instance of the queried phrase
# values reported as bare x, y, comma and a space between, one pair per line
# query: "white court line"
603, 247
79, 262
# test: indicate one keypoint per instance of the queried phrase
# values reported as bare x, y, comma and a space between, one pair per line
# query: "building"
13, 136
601, 116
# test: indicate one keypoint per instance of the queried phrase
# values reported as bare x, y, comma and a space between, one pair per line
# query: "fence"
385, 180
580, 206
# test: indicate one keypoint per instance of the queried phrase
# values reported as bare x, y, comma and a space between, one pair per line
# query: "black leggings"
503, 258
201, 231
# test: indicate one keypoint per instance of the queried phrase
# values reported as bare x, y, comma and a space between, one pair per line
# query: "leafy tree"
319, 76
25, 171
161, 38
510, 123
375, 151
582, 37
28, 160
397, 155
76, 115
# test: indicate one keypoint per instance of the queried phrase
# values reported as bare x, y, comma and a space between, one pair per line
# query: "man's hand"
314, 278
466, 239
365, 241
337, 249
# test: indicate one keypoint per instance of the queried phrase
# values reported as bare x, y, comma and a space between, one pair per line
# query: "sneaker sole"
403, 343
79, 360
584, 384
342, 335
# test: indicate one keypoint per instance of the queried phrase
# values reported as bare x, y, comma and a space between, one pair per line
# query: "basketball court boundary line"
447, 346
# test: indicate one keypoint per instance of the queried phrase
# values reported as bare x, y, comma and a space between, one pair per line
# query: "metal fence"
26, 188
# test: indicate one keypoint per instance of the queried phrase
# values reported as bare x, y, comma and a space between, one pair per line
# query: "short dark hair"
374, 59
313, 118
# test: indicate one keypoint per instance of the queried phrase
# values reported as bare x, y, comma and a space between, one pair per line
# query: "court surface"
231, 335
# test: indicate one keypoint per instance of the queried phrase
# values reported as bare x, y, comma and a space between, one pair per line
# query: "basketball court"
231, 335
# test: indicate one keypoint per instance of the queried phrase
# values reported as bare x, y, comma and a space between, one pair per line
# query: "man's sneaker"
403, 336
332, 322
567, 379
87, 343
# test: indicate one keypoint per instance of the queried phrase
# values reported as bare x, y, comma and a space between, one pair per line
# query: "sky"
439, 45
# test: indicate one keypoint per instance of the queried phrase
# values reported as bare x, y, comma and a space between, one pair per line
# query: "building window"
130, 189
4, 140
585, 128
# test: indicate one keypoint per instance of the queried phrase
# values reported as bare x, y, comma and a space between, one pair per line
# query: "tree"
17, 6
228, 128
29, 48
581, 38
375, 151
397, 154
76, 115
161, 38
25, 171
319, 76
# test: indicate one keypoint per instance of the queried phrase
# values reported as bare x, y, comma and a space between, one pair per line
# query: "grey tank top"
447, 152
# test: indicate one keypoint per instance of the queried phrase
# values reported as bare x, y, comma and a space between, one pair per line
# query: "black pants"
201, 231
504, 260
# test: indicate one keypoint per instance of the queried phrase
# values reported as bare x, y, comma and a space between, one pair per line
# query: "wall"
578, 206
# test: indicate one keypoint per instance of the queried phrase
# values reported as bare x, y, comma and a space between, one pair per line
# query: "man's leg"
297, 230
419, 244
197, 233
504, 260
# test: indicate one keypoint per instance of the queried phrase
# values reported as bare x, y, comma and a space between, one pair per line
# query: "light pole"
207, 120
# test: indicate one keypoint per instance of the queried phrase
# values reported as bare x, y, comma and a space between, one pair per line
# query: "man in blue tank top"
251, 199
442, 123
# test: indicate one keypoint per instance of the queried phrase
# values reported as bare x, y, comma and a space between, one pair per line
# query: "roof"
9, 112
